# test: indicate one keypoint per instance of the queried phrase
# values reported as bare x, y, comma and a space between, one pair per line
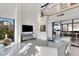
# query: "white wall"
7, 10
69, 14
26, 14
30, 15
42, 35
12, 10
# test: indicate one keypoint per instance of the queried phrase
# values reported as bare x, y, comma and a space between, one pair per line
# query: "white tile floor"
74, 51
33, 47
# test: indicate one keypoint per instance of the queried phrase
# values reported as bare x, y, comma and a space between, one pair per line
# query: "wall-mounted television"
27, 28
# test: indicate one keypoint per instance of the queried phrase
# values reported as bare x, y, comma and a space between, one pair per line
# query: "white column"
17, 23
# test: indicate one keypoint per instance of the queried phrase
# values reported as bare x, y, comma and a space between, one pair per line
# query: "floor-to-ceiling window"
76, 30
68, 28
6, 28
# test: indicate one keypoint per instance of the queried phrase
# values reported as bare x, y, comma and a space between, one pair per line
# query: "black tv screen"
27, 28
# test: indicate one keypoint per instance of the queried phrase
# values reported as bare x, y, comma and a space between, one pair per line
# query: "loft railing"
56, 8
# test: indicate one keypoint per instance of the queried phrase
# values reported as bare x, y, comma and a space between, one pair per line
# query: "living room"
28, 32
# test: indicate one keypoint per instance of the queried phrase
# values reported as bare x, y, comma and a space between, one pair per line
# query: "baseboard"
75, 45
51, 40
28, 39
